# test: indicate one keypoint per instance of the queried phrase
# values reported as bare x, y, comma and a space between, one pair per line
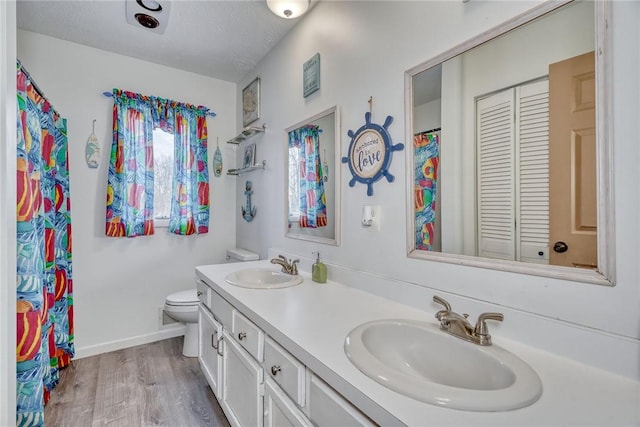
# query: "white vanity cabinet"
241, 386
279, 410
327, 408
256, 380
210, 349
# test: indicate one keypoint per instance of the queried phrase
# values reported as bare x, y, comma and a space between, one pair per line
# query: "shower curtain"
44, 278
426, 157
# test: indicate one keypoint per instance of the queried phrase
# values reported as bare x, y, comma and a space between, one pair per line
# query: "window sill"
161, 223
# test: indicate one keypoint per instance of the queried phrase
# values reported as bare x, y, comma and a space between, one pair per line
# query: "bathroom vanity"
275, 357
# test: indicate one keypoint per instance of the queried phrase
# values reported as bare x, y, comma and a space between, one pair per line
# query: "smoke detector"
148, 14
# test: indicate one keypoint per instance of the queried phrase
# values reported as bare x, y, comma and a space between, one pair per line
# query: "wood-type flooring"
146, 385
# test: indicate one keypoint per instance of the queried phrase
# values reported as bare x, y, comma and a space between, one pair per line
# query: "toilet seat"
183, 298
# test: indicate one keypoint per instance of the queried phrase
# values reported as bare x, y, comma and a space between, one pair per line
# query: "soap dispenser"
319, 270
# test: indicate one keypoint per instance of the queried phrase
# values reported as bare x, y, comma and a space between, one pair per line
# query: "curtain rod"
429, 131
36, 87
209, 112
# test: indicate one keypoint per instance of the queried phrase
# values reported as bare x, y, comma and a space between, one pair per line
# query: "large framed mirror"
511, 156
313, 178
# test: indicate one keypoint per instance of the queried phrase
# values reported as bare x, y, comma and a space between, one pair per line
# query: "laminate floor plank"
148, 385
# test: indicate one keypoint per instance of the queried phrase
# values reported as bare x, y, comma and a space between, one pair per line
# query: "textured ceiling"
220, 39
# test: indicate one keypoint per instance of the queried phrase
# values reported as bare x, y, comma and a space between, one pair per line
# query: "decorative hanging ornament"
248, 212
369, 155
92, 149
217, 160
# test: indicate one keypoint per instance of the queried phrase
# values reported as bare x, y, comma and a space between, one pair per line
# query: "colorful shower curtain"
313, 204
44, 274
130, 181
426, 158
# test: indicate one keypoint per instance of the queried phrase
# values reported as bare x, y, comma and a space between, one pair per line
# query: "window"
294, 184
163, 150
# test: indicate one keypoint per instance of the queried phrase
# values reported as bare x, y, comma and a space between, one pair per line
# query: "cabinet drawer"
221, 309
327, 408
284, 369
248, 335
203, 293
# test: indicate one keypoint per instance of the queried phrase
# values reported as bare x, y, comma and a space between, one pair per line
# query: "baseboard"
168, 332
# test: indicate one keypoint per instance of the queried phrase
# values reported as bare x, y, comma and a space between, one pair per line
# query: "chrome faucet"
288, 267
458, 325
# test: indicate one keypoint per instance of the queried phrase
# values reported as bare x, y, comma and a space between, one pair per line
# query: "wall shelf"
247, 133
248, 169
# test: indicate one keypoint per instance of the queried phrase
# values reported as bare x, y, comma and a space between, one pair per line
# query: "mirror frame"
335, 177
605, 274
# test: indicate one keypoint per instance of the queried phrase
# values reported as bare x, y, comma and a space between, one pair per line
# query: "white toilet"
183, 306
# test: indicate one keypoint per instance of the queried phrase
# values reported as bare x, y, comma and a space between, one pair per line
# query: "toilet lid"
188, 297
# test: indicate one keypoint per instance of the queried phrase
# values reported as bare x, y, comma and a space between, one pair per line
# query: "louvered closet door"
496, 190
513, 174
532, 168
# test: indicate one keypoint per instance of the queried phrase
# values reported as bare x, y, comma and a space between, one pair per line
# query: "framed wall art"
249, 157
251, 102
311, 75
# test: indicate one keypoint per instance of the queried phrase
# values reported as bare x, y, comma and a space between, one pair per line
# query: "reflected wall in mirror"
313, 178
508, 165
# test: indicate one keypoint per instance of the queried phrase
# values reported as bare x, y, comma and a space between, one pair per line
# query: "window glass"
163, 176
294, 183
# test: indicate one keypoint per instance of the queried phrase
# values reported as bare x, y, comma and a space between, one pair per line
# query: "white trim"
606, 229
8, 212
169, 332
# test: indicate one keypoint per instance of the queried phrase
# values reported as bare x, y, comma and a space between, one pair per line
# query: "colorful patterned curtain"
130, 181
313, 208
426, 158
44, 280
190, 201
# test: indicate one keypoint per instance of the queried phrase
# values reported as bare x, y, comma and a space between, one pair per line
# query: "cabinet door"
242, 385
210, 333
279, 410
328, 409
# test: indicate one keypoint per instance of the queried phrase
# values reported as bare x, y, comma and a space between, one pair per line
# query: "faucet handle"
294, 267
441, 301
481, 326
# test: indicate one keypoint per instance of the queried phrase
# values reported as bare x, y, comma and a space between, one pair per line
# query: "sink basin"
420, 361
262, 278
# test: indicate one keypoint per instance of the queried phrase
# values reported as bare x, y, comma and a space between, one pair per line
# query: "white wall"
365, 48
120, 283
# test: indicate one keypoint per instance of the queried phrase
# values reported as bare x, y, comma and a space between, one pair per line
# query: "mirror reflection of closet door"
512, 138
573, 198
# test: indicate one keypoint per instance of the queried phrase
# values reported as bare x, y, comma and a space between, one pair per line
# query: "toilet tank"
241, 255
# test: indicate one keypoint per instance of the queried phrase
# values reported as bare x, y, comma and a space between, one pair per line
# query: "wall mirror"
313, 178
510, 163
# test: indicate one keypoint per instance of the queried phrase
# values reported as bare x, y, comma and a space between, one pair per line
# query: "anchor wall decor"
248, 212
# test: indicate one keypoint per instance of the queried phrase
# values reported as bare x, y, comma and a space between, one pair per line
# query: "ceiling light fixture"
288, 9
150, 5
149, 15
146, 20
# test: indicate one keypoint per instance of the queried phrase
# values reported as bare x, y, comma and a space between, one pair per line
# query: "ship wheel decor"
370, 151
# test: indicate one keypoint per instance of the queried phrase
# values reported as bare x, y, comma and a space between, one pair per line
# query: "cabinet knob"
199, 293
275, 369
242, 335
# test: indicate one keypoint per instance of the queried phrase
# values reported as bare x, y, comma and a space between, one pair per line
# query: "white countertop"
312, 320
